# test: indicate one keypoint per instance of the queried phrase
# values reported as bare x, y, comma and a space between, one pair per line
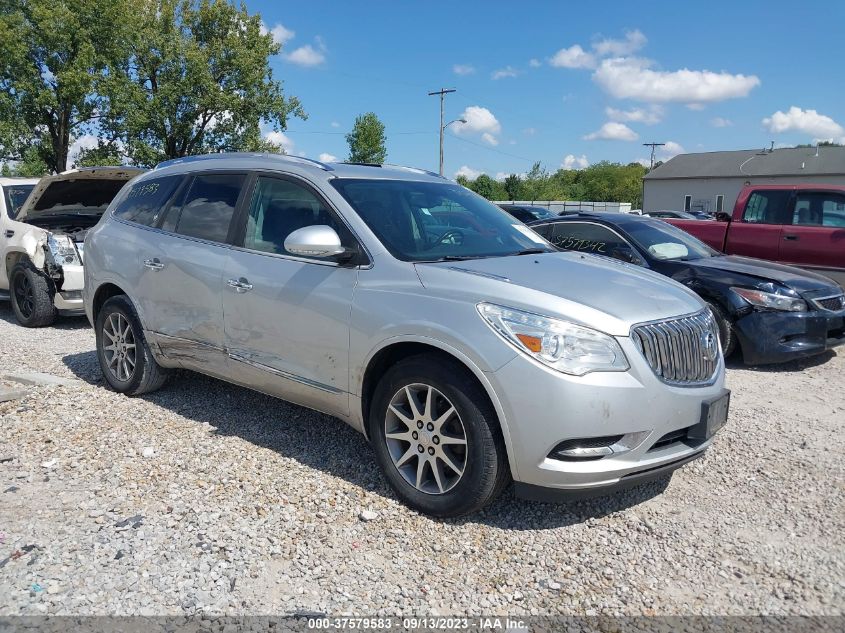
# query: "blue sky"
545, 81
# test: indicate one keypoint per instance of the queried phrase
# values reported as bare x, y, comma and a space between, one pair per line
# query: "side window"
522, 215
145, 200
207, 208
819, 209
590, 238
545, 230
767, 207
280, 207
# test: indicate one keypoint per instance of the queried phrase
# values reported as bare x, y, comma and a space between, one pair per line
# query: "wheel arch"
395, 350
104, 292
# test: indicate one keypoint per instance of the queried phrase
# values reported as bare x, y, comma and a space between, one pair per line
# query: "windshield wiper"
532, 251
455, 258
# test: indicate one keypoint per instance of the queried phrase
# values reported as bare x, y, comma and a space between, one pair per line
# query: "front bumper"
775, 337
543, 408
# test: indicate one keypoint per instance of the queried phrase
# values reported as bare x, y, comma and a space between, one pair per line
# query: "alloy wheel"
426, 438
24, 295
120, 353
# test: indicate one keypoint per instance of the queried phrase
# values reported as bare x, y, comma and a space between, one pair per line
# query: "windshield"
433, 221
541, 213
15, 196
664, 241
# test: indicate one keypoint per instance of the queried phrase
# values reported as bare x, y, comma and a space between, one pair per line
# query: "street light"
443, 129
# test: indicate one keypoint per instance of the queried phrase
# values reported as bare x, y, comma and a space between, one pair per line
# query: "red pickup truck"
801, 225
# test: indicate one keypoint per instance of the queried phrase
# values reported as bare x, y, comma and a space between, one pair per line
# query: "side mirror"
317, 240
721, 216
626, 254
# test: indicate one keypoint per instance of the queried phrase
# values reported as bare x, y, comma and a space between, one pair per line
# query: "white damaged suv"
41, 242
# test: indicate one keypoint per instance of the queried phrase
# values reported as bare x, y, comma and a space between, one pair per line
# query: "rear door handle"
791, 238
153, 264
240, 285
10, 233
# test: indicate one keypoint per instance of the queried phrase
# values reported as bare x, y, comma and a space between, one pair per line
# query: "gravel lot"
208, 497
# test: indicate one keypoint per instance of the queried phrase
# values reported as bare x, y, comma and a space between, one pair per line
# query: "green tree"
195, 78
367, 142
52, 58
105, 153
30, 165
513, 187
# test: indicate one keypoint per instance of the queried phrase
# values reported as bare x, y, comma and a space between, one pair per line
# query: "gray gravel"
205, 497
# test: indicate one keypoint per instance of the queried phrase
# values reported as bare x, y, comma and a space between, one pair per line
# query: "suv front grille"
682, 351
831, 303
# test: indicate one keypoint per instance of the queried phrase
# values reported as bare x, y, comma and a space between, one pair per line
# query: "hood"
798, 279
594, 291
88, 191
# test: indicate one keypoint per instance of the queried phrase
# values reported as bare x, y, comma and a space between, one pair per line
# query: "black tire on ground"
32, 295
129, 374
727, 338
486, 471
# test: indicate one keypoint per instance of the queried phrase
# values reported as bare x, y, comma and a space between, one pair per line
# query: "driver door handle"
153, 264
240, 285
790, 237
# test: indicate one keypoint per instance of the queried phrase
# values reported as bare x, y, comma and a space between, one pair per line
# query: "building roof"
793, 161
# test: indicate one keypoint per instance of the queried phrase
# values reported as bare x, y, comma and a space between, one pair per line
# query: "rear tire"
32, 296
440, 463
125, 358
727, 338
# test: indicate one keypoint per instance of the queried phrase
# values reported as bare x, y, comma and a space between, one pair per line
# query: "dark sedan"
773, 313
528, 212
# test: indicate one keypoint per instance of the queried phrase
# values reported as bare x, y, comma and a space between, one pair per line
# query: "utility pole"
442, 92
653, 146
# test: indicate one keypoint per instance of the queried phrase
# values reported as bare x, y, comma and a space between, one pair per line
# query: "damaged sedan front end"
43, 254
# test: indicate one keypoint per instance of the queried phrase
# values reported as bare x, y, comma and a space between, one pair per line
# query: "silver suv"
464, 347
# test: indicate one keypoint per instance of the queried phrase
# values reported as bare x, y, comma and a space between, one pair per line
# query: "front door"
758, 232
286, 318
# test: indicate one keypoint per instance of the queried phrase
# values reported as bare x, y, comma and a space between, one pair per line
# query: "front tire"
437, 441
727, 338
32, 296
125, 358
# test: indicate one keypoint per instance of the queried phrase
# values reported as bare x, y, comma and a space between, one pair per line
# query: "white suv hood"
66, 199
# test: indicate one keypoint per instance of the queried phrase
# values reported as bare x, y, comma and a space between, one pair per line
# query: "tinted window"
280, 207
208, 207
585, 238
767, 207
15, 196
819, 209
145, 200
404, 216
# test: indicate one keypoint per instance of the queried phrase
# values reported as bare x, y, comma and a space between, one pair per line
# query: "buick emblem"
710, 346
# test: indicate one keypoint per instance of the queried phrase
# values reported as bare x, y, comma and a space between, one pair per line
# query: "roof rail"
224, 155
416, 170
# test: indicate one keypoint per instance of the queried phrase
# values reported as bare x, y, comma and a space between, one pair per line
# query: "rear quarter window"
145, 200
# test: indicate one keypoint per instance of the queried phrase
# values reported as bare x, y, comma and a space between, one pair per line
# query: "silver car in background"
469, 353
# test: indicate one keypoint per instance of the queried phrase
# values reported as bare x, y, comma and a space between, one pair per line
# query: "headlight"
62, 249
566, 347
771, 300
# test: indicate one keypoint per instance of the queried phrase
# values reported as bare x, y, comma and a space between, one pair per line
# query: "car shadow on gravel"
62, 322
735, 362
331, 446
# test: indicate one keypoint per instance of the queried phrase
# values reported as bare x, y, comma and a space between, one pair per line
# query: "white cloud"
280, 34
632, 78
534, 63
651, 115
85, 141
463, 69
645, 162
502, 73
307, 55
670, 150
468, 172
573, 57
479, 121
335, 124
809, 122
325, 157
720, 122
634, 41
571, 161
281, 140
613, 131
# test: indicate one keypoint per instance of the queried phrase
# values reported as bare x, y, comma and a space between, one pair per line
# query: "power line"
493, 149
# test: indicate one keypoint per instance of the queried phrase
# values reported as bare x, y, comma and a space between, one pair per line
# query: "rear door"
758, 232
286, 317
815, 239
181, 286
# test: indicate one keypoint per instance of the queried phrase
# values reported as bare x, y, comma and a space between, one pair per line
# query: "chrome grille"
831, 303
683, 351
